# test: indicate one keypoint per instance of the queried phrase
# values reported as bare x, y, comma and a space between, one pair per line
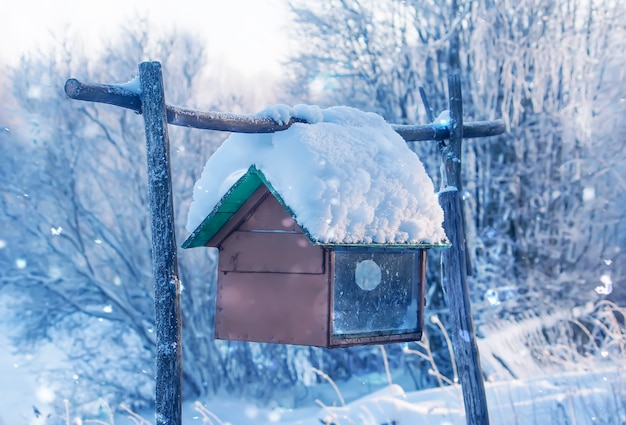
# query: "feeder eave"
382, 246
224, 210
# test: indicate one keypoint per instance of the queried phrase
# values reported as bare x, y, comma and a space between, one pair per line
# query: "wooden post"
164, 256
454, 267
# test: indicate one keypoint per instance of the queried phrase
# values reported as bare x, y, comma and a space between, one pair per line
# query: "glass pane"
374, 293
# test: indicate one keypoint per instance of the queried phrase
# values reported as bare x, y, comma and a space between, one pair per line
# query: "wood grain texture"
454, 269
164, 257
122, 96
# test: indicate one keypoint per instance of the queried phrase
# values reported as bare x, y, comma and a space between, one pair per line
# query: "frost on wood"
347, 176
165, 268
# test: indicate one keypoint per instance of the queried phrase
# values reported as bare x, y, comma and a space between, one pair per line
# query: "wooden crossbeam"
128, 96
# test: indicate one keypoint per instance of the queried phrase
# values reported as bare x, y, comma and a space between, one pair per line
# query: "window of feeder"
375, 293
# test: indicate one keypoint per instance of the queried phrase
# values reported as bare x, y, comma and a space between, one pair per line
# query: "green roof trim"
241, 191
230, 203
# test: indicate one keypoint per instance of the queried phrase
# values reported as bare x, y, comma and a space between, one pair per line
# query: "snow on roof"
347, 177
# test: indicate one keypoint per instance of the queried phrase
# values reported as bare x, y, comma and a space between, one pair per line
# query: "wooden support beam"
126, 96
164, 250
454, 268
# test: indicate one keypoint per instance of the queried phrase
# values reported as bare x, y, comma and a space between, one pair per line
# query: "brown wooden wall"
273, 284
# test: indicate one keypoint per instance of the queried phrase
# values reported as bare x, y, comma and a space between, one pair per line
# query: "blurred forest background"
545, 203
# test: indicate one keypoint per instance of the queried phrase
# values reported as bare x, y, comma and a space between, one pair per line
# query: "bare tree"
548, 70
544, 203
76, 260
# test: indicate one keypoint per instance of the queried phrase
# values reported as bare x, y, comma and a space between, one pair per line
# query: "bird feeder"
333, 311
322, 232
276, 284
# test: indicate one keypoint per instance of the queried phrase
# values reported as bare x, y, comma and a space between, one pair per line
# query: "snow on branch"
128, 96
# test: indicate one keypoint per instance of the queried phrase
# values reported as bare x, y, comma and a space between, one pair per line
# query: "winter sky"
248, 34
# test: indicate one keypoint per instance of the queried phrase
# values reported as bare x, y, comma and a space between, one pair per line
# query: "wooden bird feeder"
277, 284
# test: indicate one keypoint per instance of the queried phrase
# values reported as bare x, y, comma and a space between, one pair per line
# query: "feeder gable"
232, 210
266, 239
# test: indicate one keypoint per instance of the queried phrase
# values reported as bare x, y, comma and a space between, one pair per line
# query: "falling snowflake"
607, 283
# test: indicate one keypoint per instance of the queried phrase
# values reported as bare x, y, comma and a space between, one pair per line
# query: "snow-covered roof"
346, 177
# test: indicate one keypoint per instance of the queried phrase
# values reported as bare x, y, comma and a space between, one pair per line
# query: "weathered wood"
420, 133
454, 268
221, 121
112, 94
125, 97
164, 255
457, 294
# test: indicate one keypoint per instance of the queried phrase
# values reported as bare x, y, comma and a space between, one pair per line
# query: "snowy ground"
17, 388
575, 398
593, 393
22, 391
591, 397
